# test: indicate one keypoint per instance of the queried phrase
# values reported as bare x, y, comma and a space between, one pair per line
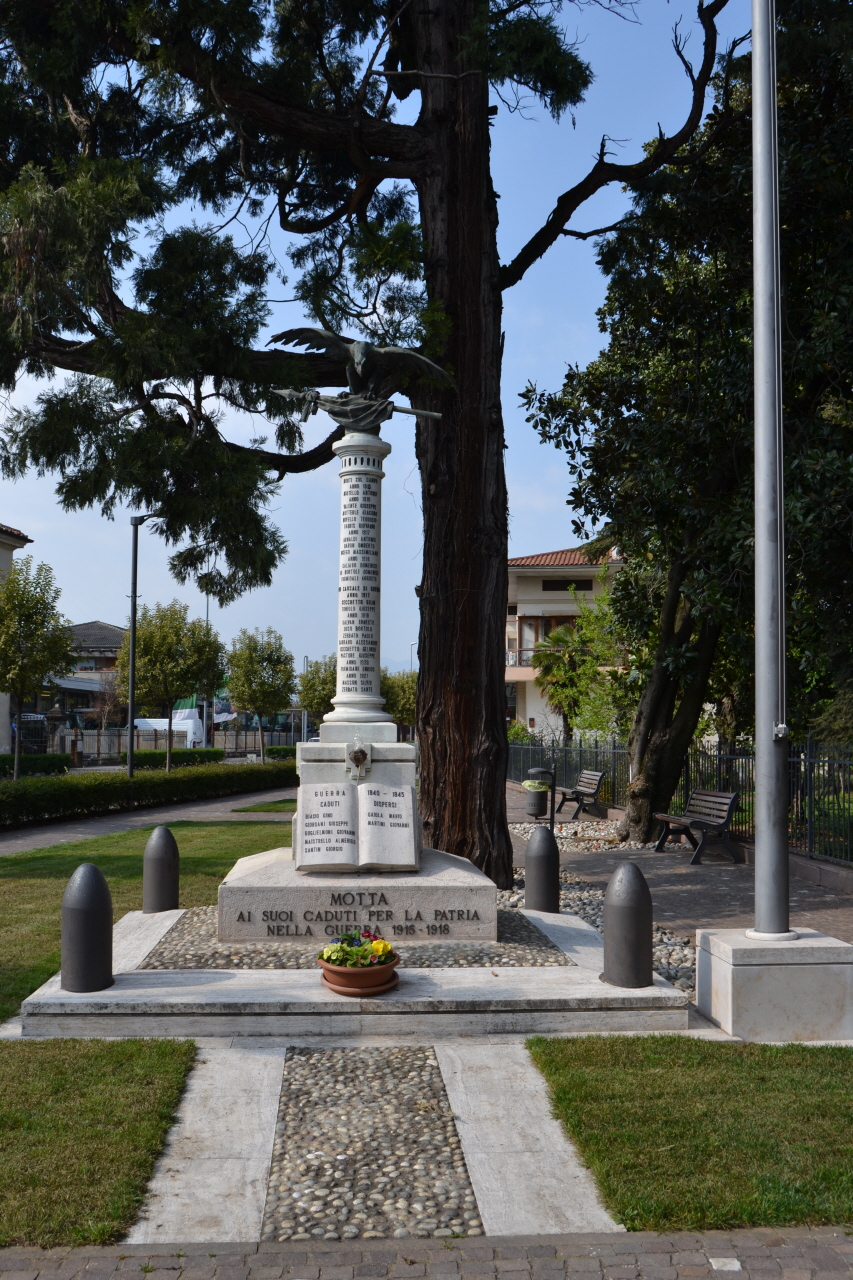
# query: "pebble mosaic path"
764, 1253
191, 944
366, 1146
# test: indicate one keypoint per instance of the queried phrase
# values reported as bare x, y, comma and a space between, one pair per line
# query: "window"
512, 610
564, 584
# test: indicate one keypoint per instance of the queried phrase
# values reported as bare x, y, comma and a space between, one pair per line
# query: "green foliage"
835, 723
83, 1124
579, 669
260, 674
111, 124
33, 800
35, 639
317, 686
281, 753
175, 656
657, 430
182, 757
37, 762
517, 732
400, 691
358, 949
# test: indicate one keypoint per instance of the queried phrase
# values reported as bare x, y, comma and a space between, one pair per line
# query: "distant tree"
174, 655
576, 664
212, 661
835, 723
35, 639
261, 679
317, 686
107, 700
400, 691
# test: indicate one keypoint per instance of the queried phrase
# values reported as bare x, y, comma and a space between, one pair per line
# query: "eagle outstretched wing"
316, 340
390, 360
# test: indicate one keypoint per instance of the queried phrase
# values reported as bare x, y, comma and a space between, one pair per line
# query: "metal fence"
820, 814
95, 746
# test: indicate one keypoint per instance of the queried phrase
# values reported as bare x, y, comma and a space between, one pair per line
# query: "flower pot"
372, 980
537, 804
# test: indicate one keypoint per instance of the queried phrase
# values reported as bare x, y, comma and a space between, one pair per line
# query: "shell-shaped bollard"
542, 871
87, 931
628, 928
160, 872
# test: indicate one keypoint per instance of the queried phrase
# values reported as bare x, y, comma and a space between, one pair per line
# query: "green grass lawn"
271, 806
695, 1135
32, 885
81, 1124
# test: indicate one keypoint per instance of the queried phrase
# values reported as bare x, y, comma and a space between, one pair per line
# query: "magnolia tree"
261, 679
35, 639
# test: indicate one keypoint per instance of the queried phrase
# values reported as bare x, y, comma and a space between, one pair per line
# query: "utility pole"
771, 731
135, 522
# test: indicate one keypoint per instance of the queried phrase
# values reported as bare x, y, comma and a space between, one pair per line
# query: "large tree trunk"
461, 698
661, 734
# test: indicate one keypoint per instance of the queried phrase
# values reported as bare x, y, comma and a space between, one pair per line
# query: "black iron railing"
820, 816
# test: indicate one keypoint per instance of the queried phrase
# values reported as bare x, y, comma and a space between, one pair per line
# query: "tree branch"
604, 171
292, 463
407, 145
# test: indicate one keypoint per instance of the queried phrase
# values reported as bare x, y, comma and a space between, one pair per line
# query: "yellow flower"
380, 947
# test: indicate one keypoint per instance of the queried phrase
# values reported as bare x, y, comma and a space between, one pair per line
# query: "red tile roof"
16, 533
574, 555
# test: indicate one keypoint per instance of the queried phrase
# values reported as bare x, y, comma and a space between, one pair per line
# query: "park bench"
710, 814
584, 793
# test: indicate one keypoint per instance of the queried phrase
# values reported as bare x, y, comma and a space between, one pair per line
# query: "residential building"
10, 540
540, 599
97, 644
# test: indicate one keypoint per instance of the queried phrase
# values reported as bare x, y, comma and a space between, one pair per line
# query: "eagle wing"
316, 340
388, 361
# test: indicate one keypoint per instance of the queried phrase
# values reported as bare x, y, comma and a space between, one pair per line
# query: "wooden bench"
707, 812
584, 793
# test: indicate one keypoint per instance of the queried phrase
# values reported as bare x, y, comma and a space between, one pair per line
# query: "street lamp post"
771, 732
135, 522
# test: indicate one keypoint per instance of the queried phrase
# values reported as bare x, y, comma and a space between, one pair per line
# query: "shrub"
181, 757
54, 762
280, 753
86, 795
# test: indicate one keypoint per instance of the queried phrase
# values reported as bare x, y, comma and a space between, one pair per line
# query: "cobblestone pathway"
822, 1253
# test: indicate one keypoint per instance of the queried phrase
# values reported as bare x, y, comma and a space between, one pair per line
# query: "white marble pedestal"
775, 992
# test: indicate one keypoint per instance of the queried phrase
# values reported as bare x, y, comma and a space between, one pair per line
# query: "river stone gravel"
366, 1147
191, 944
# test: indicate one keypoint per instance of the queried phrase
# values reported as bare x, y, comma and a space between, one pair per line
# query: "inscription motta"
346, 909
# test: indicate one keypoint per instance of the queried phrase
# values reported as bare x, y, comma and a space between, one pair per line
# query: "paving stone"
658, 1273
19, 1275
693, 1271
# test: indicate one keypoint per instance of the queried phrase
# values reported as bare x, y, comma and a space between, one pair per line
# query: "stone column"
358, 701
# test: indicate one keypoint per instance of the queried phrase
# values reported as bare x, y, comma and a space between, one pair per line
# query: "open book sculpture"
342, 828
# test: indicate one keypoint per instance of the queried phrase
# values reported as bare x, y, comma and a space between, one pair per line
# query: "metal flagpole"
771, 732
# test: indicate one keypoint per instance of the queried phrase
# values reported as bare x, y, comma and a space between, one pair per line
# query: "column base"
775, 991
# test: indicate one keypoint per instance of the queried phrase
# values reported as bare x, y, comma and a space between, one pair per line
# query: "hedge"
181, 757
280, 753
54, 762
88, 795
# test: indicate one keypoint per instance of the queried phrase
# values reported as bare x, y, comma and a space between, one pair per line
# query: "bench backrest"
712, 806
588, 780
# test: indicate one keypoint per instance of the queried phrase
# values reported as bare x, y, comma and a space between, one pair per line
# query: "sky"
549, 321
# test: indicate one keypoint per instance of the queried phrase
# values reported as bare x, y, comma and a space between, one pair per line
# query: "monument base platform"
775, 992
432, 1004
265, 897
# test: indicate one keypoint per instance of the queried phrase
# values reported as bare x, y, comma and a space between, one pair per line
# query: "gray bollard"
87, 931
542, 871
160, 872
628, 928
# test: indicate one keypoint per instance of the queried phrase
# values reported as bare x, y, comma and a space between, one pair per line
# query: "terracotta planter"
369, 981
